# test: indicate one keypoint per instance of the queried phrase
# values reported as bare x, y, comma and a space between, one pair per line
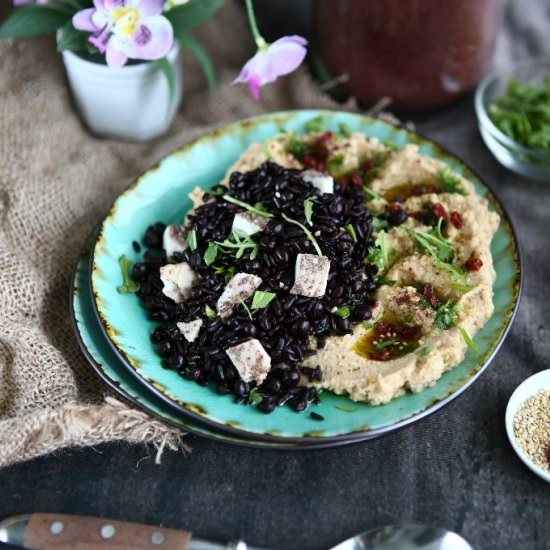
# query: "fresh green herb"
390, 144
344, 130
211, 253
375, 169
248, 207
308, 233
423, 352
450, 182
345, 408
192, 239
367, 325
410, 317
523, 114
218, 191
383, 281
344, 312
383, 345
297, 147
255, 396
128, 285
308, 208
457, 273
262, 299
240, 243
434, 243
317, 124
446, 316
461, 287
468, 339
245, 307
378, 254
230, 273
372, 194
351, 230
209, 312
334, 163
379, 224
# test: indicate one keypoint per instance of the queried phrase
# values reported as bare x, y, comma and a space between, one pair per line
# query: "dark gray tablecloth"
454, 469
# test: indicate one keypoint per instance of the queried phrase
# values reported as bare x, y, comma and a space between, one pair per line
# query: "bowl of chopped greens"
513, 111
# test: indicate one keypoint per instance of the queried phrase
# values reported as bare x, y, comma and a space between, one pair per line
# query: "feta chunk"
178, 279
323, 182
251, 360
240, 287
174, 239
311, 275
190, 330
249, 223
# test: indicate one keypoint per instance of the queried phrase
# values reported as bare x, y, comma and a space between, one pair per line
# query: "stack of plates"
114, 332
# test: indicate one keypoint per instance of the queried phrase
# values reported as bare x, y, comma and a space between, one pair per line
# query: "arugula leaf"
423, 352
344, 130
446, 316
372, 194
308, 208
249, 313
240, 244
390, 144
192, 239
383, 345
334, 163
379, 224
317, 124
210, 312
468, 339
308, 233
379, 254
255, 396
450, 182
297, 147
211, 253
434, 243
262, 299
383, 281
128, 284
461, 287
351, 230
247, 206
344, 312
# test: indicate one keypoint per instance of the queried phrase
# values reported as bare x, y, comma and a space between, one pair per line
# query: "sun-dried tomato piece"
393, 207
440, 211
473, 263
456, 219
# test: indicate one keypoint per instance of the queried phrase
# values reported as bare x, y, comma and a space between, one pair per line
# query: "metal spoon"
15, 530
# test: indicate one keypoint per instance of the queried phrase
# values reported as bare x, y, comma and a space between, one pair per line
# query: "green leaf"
383, 345
351, 230
255, 396
308, 209
166, 67
192, 14
72, 39
202, 56
423, 352
372, 194
468, 339
446, 315
308, 233
297, 147
344, 312
34, 20
128, 284
379, 254
247, 206
262, 299
317, 124
379, 224
334, 163
383, 281
210, 312
344, 130
211, 253
450, 182
192, 239
249, 313
345, 408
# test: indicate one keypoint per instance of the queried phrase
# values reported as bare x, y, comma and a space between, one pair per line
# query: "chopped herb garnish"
230, 273
248, 207
344, 312
240, 243
211, 253
446, 316
383, 281
297, 147
192, 239
262, 299
128, 286
391, 145
345, 408
410, 317
351, 230
308, 208
379, 254
468, 339
255, 396
209, 312
316, 124
344, 130
379, 224
218, 191
450, 182
423, 352
372, 194
383, 345
367, 325
461, 287
245, 307
308, 233
334, 163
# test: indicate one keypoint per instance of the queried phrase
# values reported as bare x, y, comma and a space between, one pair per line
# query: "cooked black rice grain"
286, 326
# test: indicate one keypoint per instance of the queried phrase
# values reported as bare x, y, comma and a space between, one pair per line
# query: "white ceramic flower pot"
131, 103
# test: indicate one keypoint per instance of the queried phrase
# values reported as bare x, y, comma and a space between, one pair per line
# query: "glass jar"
420, 53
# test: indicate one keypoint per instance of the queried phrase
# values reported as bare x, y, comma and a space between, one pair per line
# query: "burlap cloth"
56, 183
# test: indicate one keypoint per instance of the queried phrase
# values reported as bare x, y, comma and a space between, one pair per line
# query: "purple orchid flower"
127, 29
271, 61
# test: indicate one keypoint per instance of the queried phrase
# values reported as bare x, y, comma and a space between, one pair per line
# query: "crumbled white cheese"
249, 223
311, 275
190, 330
240, 287
323, 182
174, 240
251, 360
178, 279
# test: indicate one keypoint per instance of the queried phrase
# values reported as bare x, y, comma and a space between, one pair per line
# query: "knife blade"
72, 532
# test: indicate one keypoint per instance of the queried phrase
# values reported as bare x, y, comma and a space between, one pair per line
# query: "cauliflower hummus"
433, 262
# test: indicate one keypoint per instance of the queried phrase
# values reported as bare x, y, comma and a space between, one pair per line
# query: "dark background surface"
455, 469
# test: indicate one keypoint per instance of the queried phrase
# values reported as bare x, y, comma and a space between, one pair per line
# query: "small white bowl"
528, 388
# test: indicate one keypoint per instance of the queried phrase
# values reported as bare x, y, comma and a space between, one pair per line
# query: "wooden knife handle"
68, 532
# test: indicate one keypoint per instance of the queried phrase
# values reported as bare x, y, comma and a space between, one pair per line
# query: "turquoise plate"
161, 194
108, 366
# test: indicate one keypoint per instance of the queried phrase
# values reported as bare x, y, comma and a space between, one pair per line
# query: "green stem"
258, 38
